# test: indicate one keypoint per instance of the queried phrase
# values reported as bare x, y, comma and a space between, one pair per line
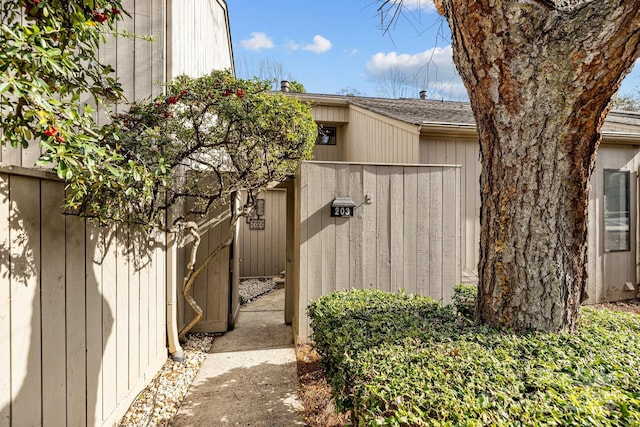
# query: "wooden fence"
82, 318
404, 234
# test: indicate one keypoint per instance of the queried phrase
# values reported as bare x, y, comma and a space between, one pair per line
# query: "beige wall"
262, 253
211, 289
404, 237
82, 319
82, 310
199, 40
461, 150
607, 273
370, 137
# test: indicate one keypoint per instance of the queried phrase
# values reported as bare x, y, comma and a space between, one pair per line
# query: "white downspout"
177, 354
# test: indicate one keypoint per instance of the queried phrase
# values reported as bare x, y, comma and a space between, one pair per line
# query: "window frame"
329, 132
614, 235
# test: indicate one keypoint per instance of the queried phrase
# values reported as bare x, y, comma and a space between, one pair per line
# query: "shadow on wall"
55, 324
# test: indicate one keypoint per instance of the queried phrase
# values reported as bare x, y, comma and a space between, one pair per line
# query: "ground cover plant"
398, 359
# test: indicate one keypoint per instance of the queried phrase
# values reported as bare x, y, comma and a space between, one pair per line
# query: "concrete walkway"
249, 377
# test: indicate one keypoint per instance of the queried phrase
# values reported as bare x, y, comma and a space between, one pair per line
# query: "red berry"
99, 16
226, 92
240, 93
172, 100
52, 131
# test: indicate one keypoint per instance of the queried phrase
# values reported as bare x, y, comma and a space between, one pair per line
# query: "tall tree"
540, 76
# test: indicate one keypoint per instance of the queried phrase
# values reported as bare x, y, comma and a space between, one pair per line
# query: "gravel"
252, 289
157, 404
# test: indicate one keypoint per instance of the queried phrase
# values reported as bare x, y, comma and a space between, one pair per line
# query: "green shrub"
464, 299
397, 359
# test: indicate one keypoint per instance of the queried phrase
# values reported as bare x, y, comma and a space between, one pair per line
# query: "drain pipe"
177, 354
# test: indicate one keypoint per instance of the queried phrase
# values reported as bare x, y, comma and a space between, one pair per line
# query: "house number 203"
341, 211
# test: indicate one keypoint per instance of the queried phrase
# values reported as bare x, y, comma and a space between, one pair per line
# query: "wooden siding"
139, 64
465, 152
82, 319
199, 40
608, 272
262, 253
370, 137
403, 234
610, 126
211, 289
331, 153
330, 114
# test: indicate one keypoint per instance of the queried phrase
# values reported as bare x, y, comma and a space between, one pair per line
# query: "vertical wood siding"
465, 152
263, 252
211, 289
407, 237
607, 273
370, 137
199, 40
82, 315
139, 64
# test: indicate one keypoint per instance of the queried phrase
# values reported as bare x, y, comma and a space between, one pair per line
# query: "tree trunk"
540, 78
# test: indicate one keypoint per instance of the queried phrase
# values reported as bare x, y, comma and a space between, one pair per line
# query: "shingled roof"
420, 111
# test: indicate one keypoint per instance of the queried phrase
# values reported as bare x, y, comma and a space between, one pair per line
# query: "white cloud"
432, 70
351, 52
319, 45
257, 41
417, 4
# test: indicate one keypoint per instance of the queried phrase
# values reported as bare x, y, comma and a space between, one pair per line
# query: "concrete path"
249, 377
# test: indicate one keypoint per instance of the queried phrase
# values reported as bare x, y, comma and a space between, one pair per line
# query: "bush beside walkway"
398, 359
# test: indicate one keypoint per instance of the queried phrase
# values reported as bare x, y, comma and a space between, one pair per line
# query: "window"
326, 135
617, 216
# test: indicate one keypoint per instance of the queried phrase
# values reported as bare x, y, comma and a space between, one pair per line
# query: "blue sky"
337, 46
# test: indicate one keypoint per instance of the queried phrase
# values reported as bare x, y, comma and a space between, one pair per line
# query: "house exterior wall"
337, 116
198, 37
263, 252
82, 318
212, 287
607, 273
83, 311
460, 150
404, 233
372, 138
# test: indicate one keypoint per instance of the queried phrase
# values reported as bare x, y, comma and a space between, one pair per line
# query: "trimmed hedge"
398, 359
464, 299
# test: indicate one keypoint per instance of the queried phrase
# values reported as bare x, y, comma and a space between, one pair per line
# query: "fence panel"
69, 293
404, 233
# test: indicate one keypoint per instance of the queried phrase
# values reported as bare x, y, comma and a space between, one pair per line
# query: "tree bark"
540, 77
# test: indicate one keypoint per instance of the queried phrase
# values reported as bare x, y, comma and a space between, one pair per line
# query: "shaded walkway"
249, 377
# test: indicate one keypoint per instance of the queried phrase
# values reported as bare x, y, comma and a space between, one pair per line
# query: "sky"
341, 46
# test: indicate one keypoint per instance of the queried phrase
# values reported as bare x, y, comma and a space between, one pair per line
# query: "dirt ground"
315, 393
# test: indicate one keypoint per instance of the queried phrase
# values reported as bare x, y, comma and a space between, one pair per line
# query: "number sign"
342, 211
